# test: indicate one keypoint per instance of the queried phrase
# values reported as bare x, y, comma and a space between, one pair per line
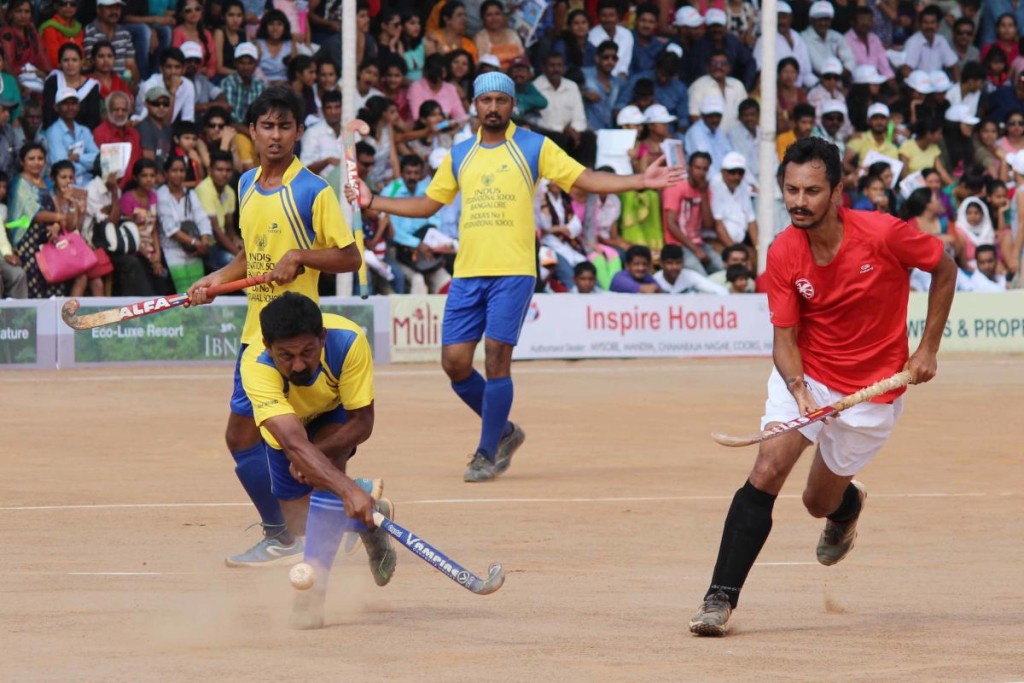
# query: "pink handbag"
67, 259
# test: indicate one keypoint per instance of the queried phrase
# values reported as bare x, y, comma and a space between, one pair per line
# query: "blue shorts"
491, 306
240, 404
282, 483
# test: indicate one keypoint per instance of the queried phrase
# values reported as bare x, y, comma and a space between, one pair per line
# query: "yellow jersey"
497, 232
344, 378
303, 213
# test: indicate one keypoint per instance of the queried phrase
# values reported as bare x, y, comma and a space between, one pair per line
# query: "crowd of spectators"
924, 101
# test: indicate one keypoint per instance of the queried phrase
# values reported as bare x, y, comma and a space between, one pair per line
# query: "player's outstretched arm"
923, 364
197, 293
410, 207
316, 468
656, 177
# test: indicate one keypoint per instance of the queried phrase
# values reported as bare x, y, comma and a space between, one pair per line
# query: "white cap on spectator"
107, 3
832, 66
657, 113
734, 161
821, 9
712, 105
192, 50
867, 74
918, 80
247, 50
689, 17
878, 109
834, 107
675, 48
437, 157
490, 60
961, 113
66, 94
1016, 161
630, 116
783, 8
714, 16
940, 81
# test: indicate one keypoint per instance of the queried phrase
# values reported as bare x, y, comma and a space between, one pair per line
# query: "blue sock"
253, 471
497, 406
471, 391
325, 525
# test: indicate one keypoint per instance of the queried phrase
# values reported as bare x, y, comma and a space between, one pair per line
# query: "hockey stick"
147, 307
351, 128
900, 379
441, 562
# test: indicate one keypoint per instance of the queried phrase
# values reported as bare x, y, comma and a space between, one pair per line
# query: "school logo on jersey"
274, 228
806, 289
261, 242
488, 179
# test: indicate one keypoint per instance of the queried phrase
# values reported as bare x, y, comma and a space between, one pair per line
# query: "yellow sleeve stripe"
520, 161
465, 161
296, 229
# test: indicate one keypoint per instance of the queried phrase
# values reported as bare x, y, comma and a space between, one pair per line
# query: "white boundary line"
485, 501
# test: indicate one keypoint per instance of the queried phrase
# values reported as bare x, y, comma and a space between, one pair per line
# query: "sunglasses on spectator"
719, 62
160, 103
832, 117
214, 125
735, 171
824, 76
1015, 122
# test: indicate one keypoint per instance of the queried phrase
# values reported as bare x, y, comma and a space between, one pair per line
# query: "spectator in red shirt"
60, 29
688, 214
117, 129
20, 39
837, 292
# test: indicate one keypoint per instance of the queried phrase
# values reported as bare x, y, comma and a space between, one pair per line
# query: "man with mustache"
293, 230
497, 173
837, 292
117, 129
312, 393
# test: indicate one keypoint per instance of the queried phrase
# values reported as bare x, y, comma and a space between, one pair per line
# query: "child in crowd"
738, 277
636, 277
585, 279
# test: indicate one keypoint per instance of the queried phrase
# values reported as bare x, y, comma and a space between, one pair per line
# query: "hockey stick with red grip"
900, 379
139, 309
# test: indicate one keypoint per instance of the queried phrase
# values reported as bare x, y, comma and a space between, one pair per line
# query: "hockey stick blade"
441, 562
112, 316
900, 379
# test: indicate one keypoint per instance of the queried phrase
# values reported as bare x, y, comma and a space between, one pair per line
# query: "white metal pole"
348, 112
768, 160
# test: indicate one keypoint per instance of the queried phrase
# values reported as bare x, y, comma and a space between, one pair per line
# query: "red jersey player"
837, 283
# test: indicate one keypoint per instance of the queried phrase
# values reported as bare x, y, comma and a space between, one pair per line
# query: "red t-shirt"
852, 313
685, 200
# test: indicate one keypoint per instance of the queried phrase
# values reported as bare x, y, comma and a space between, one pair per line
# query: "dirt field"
118, 503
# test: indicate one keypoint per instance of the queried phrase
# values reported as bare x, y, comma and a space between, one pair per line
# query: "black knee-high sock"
746, 529
850, 507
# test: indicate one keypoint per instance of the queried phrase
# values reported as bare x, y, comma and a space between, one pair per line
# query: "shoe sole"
829, 562
699, 628
283, 561
390, 515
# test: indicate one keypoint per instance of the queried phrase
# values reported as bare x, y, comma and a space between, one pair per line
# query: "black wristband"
372, 197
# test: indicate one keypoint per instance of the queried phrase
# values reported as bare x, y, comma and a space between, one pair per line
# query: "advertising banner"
28, 337
978, 322
416, 328
205, 333
639, 326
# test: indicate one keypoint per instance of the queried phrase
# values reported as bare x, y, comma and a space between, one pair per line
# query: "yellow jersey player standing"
311, 386
496, 268
292, 227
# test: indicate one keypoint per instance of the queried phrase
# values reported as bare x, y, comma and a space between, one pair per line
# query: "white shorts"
848, 442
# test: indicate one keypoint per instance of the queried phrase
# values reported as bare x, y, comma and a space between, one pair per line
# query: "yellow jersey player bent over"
311, 387
292, 227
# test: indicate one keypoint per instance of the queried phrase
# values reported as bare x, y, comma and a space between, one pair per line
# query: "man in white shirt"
743, 137
985, 278
731, 202
968, 91
928, 51
172, 77
788, 43
674, 279
564, 120
323, 143
608, 28
718, 83
823, 43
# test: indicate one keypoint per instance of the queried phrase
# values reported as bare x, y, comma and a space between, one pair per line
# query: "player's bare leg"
247, 448
838, 498
490, 459
747, 526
